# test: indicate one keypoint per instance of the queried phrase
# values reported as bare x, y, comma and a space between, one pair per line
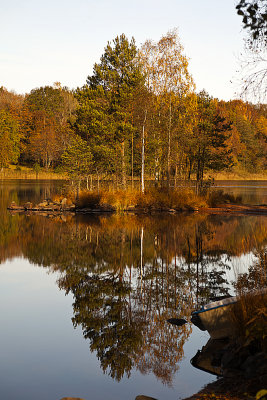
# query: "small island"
150, 202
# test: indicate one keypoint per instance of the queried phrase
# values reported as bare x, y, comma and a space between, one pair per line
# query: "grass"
250, 317
151, 200
250, 312
236, 175
23, 172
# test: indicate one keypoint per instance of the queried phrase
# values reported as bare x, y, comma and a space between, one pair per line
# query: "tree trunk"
143, 157
132, 160
98, 184
123, 167
175, 176
78, 188
169, 146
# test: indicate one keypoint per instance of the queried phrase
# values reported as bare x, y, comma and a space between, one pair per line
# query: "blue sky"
59, 40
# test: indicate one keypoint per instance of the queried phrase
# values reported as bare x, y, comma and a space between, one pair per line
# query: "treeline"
137, 116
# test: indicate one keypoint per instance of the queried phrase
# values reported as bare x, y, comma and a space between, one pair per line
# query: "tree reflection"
129, 274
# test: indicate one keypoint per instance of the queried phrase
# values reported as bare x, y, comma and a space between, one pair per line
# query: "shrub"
88, 199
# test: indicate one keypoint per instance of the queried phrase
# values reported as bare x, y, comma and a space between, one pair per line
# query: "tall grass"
249, 315
250, 312
151, 200
22, 172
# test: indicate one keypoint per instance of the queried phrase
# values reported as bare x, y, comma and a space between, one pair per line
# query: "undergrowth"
152, 199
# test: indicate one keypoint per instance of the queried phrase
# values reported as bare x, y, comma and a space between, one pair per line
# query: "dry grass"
152, 199
236, 175
250, 317
22, 172
88, 199
170, 199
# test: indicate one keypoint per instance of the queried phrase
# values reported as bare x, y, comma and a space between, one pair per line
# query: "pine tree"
105, 112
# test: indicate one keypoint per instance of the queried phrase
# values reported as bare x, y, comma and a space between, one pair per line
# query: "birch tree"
168, 78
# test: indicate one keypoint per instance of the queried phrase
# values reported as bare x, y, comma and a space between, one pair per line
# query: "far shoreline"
26, 173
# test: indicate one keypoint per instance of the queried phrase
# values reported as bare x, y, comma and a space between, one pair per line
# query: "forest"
138, 117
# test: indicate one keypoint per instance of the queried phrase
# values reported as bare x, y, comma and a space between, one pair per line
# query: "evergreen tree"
76, 160
9, 139
208, 147
105, 112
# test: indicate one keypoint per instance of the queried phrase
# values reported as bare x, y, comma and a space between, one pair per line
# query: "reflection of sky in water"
43, 357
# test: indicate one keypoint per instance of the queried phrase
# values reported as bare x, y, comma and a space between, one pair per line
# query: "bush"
88, 199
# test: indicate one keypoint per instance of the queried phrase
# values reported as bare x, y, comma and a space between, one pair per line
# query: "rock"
14, 206
43, 204
28, 206
71, 398
107, 207
49, 201
56, 207
142, 397
255, 365
177, 321
64, 202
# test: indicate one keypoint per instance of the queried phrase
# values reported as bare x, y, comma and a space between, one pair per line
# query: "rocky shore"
243, 371
64, 205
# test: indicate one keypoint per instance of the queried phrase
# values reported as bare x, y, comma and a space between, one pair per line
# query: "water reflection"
129, 274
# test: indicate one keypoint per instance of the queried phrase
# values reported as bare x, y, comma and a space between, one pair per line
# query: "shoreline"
224, 209
23, 172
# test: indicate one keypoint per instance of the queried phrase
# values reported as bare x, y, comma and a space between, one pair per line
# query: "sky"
49, 41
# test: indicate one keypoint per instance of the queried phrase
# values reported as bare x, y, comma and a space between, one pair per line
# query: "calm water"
84, 300
252, 192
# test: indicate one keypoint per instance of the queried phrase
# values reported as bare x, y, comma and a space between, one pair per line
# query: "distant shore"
23, 172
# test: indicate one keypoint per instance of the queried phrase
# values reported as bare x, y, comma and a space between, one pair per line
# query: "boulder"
28, 205
142, 397
43, 204
14, 206
71, 398
64, 202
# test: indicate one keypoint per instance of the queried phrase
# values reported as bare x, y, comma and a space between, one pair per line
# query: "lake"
85, 299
